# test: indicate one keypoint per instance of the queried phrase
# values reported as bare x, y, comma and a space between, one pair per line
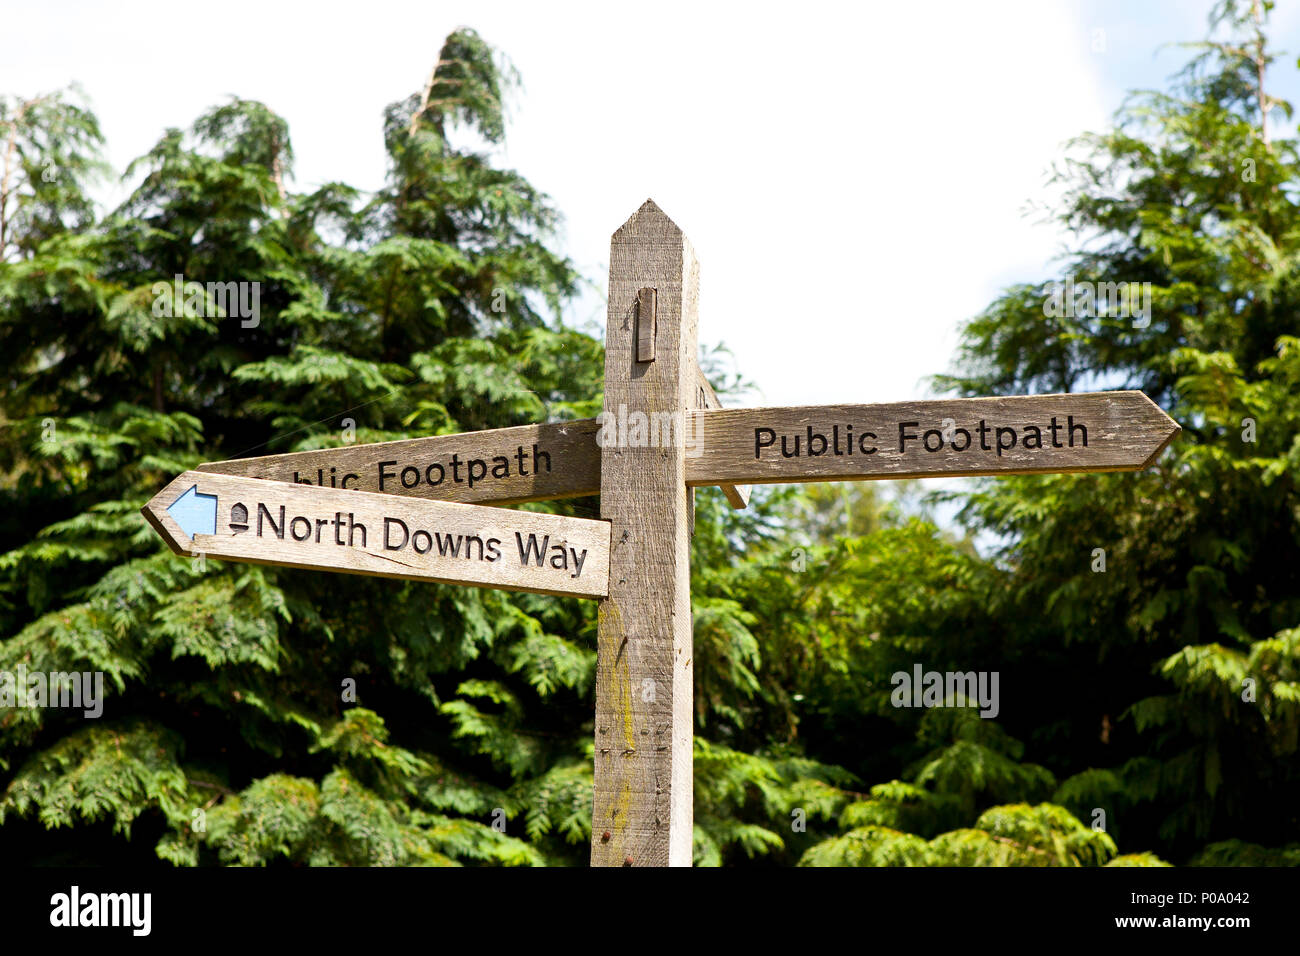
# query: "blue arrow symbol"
195, 513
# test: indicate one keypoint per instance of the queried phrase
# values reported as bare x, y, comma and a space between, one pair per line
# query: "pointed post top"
650, 222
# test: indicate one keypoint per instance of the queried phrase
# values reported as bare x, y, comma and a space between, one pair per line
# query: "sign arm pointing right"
1019, 435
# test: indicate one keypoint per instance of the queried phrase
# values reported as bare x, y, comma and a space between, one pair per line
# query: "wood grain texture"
643, 733
358, 532
509, 465
645, 325
1021, 435
706, 398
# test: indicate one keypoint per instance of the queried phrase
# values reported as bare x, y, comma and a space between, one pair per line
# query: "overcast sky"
854, 177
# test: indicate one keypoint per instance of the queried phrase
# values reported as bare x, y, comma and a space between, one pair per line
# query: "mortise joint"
646, 309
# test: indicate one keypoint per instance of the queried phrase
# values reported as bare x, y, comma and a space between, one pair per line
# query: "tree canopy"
1150, 700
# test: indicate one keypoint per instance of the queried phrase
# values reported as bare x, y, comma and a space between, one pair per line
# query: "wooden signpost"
501, 466
1024, 435
415, 508
358, 532
1021, 435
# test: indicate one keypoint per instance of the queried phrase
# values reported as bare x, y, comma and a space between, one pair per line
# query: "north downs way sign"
270, 522
419, 508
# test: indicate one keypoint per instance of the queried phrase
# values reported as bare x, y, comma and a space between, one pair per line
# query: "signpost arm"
642, 815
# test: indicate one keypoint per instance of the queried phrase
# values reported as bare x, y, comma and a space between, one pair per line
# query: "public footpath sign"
499, 466
327, 529
1024, 435
419, 508
1021, 435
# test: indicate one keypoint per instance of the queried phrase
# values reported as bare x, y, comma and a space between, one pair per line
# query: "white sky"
852, 176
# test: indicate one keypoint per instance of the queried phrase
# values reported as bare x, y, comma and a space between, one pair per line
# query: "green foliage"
1185, 653
1014, 835
264, 716
427, 307
1160, 692
1241, 853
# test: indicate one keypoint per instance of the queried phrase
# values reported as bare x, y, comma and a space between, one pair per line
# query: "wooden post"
642, 814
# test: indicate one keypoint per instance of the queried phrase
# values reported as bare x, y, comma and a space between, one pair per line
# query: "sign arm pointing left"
195, 513
359, 532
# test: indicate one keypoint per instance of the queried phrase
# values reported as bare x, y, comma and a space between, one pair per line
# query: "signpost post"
643, 802
415, 508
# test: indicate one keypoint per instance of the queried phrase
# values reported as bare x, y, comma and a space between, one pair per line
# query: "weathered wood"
359, 532
498, 466
1023, 435
645, 325
561, 460
642, 815
707, 398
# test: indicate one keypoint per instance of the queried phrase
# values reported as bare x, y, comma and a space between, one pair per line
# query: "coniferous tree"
1157, 690
259, 715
